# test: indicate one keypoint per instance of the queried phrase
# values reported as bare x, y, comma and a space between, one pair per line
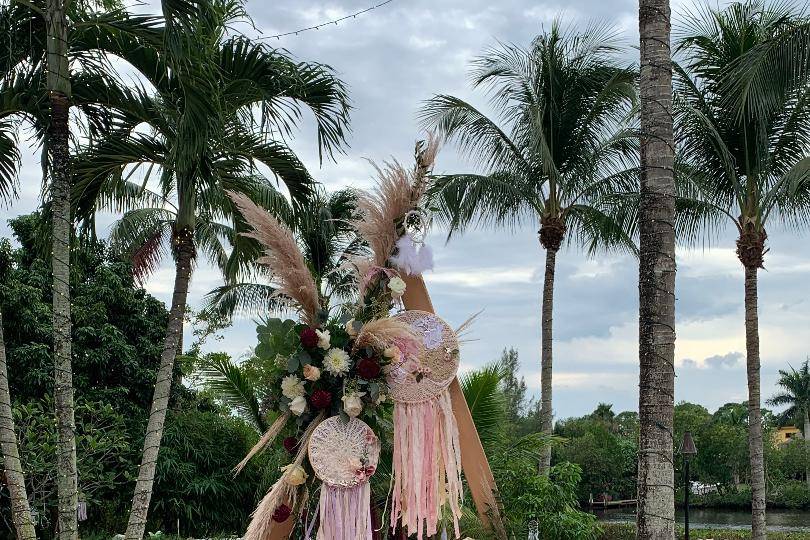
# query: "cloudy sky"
395, 57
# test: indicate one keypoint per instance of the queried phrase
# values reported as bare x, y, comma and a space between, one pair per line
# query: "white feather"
412, 259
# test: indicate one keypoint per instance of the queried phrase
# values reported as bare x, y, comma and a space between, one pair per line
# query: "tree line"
599, 154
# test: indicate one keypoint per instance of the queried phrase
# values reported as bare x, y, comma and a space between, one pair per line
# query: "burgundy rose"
368, 368
289, 444
309, 338
320, 399
282, 513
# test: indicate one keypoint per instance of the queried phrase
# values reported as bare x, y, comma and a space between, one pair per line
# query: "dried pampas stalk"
398, 192
268, 437
381, 333
464, 328
261, 524
283, 258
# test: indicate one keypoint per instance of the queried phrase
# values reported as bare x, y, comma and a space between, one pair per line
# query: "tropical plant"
559, 150
15, 478
219, 100
656, 483
749, 159
795, 395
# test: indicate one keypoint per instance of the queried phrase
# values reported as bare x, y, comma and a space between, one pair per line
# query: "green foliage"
607, 459
550, 500
105, 456
194, 477
560, 148
117, 328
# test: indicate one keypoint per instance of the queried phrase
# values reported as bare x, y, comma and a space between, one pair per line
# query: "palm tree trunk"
546, 411
20, 511
184, 255
807, 448
656, 491
755, 450
59, 169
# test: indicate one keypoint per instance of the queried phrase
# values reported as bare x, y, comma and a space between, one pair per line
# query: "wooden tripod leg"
473, 460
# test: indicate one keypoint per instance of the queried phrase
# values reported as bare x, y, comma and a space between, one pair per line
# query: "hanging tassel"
345, 513
427, 465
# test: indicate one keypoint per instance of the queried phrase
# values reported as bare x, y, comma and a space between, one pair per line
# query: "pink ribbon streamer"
427, 465
345, 513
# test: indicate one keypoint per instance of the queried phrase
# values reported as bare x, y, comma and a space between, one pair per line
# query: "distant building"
786, 434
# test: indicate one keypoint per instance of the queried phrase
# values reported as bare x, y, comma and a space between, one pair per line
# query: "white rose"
292, 387
298, 405
352, 404
380, 398
311, 373
336, 362
350, 329
396, 286
323, 338
295, 475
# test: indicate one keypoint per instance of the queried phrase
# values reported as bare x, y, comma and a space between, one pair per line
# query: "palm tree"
12, 468
749, 161
218, 101
41, 38
656, 490
796, 396
556, 154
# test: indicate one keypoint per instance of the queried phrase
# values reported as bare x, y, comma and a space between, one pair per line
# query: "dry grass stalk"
398, 192
381, 333
268, 437
283, 258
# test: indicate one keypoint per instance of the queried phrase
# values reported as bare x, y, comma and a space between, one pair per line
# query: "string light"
328, 23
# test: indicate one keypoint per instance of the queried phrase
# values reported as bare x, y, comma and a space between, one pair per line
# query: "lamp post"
687, 451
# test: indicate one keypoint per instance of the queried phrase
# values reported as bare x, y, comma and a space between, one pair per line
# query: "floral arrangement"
326, 366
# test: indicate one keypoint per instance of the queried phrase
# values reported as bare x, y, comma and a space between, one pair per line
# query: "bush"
550, 500
194, 483
104, 456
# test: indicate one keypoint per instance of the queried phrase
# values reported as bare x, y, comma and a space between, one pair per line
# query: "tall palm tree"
12, 468
750, 161
45, 43
559, 149
656, 490
795, 395
218, 101
58, 85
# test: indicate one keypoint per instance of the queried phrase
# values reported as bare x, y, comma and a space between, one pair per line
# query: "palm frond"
231, 385
485, 399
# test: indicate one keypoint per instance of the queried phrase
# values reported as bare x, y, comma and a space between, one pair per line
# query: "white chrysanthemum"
336, 362
292, 387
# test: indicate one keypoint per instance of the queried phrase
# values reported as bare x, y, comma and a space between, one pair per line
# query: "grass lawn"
627, 531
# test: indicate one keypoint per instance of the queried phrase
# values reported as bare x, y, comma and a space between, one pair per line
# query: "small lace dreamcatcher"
344, 455
427, 455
